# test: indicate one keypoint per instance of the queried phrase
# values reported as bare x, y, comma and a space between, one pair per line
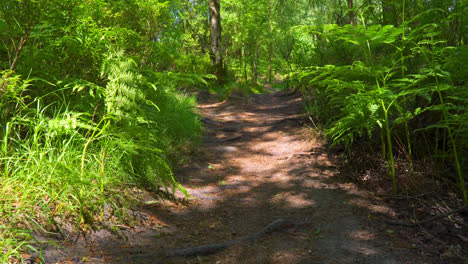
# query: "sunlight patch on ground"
365, 251
287, 199
362, 235
277, 145
363, 203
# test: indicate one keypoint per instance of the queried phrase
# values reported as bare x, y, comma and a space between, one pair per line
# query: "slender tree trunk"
460, 35
254, 67
388, 12
203, 43
270, 62
215, 44
226, 55
245, 65
270, 46
203, 35
13, 60
351, 13
241, 59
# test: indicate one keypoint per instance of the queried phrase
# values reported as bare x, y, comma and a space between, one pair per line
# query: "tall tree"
351, 12
215, 44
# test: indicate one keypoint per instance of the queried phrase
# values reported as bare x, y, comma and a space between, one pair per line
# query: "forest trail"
258, 163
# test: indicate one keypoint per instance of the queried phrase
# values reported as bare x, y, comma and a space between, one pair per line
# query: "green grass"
59, 165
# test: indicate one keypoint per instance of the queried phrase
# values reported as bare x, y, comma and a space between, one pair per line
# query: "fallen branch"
430, 219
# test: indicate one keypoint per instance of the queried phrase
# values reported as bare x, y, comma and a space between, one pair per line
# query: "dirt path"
257, 164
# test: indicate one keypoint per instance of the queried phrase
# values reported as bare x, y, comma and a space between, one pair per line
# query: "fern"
129, 110
375, 92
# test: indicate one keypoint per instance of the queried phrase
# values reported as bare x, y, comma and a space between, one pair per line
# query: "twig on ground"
430, 219
402, 197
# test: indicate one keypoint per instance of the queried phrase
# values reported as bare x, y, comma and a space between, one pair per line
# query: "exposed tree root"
277, 225
231, 138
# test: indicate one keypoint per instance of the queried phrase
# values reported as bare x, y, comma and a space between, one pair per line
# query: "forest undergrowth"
84, 118
64, 162
392, 99
95, 96
404, 91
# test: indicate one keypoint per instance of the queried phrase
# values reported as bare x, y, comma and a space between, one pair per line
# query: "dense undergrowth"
402, 88
93, 93
66, 161
87, 112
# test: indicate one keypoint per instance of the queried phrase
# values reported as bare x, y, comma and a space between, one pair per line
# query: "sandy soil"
259, 162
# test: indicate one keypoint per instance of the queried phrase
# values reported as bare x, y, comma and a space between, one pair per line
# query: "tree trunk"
270, 46
226, 55
351, 13
253, 68
246, 78
270, 62
388, 12
215, 39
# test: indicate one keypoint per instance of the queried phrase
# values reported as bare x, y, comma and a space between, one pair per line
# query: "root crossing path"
260, 161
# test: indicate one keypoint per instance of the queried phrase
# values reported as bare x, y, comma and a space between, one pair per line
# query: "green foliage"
73, 162
92, 93
394, 81
85, 113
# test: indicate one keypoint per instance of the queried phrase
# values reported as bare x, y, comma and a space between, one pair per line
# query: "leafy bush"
379, 93
58, 163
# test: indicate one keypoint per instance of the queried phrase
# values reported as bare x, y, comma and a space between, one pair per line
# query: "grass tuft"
62, 162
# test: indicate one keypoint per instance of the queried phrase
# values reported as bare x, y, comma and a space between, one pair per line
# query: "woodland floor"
258, 162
